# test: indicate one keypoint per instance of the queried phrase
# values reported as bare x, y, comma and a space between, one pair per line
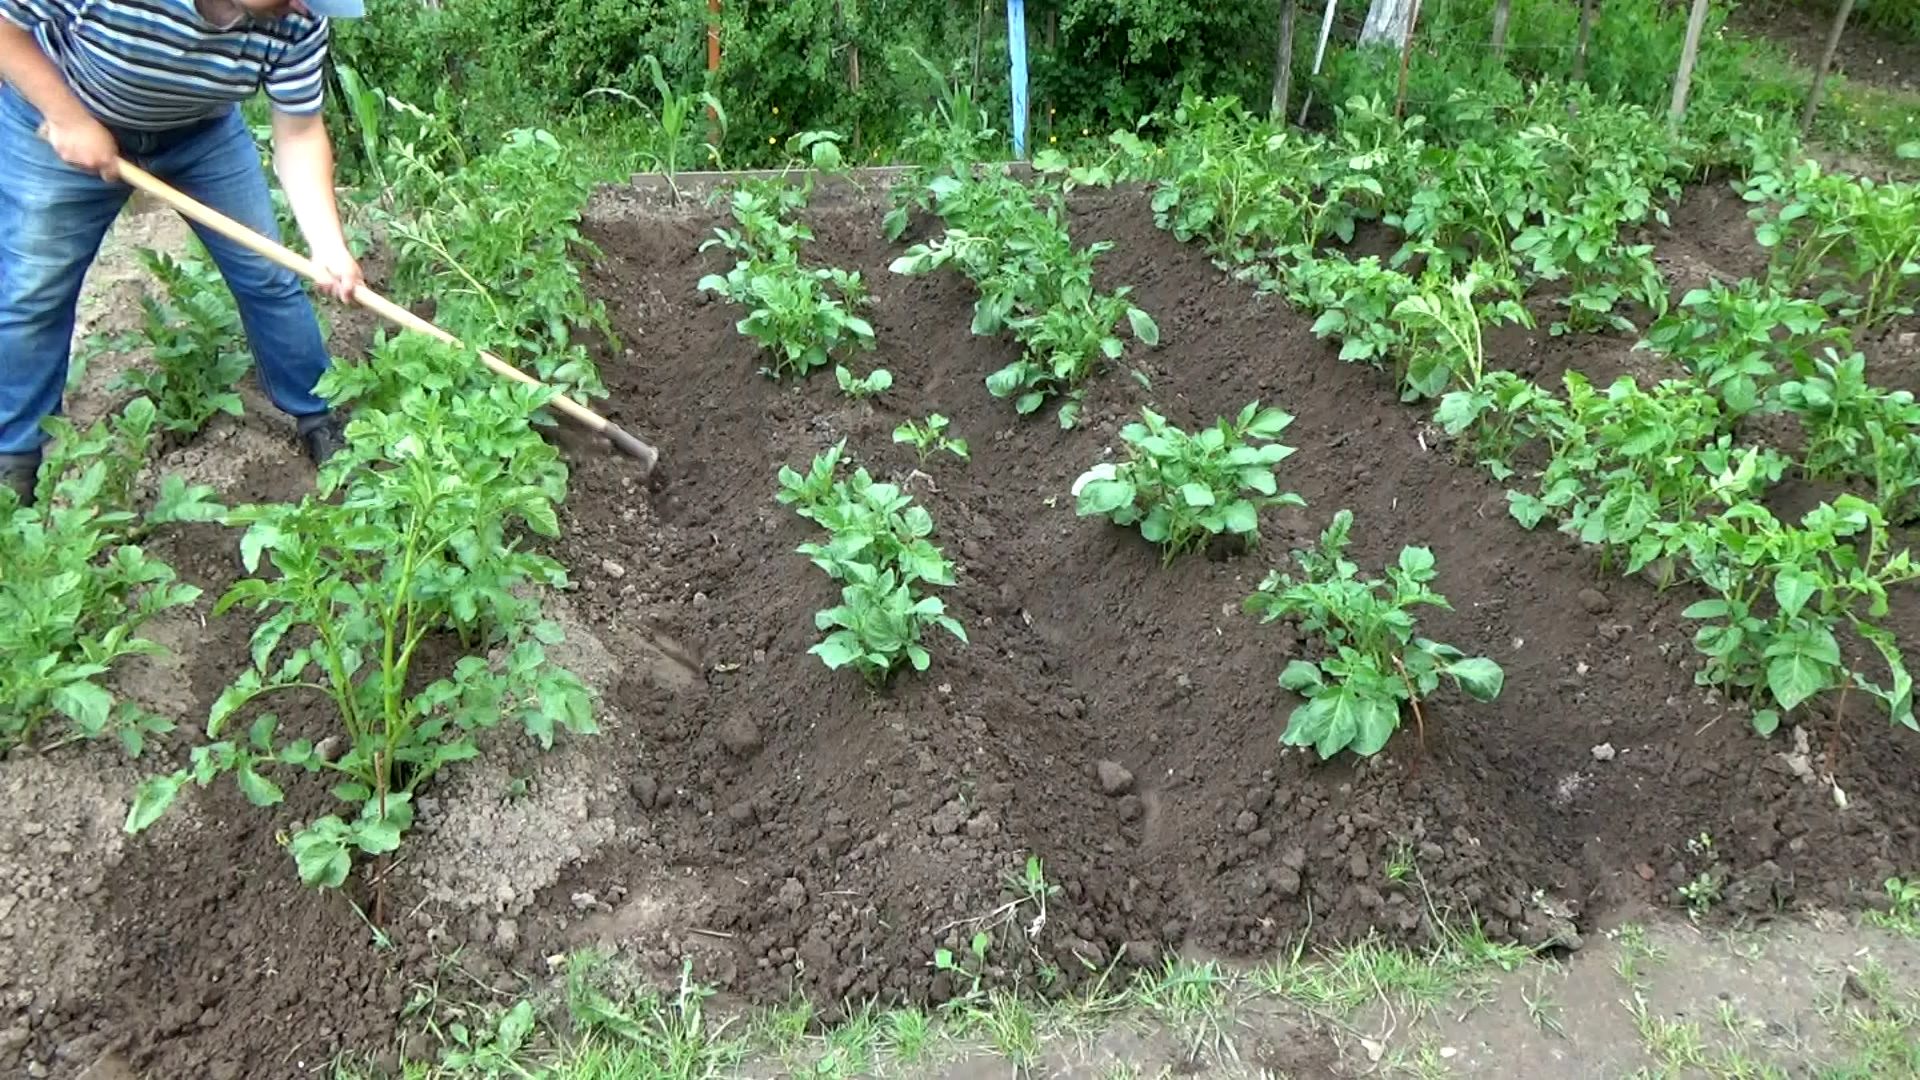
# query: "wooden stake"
713, 67
1386, 20
1283, 61
1502, 11
1586, 33
1406, 60
1053, 29
853, 85
1319, 57
853, 72
1689, 53
979, 44
1826, 64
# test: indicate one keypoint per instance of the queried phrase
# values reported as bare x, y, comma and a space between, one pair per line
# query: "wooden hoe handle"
379, 305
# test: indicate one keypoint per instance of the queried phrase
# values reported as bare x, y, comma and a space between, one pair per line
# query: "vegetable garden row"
1487, 204
1659, 479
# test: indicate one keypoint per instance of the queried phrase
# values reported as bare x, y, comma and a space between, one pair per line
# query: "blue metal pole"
1017, 49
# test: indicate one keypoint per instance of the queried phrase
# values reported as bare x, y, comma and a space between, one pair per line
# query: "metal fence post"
1017, 50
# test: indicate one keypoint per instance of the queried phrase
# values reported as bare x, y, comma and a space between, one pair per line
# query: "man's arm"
303, 158
81, 141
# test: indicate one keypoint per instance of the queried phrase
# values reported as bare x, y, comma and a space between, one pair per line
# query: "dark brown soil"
842, 835
821, 837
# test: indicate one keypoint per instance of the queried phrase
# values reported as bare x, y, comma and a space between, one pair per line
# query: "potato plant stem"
380, 889
342, 689
392, 677
1413, 699
1839, 717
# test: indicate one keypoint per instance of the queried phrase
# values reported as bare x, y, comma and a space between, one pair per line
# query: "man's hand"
340, 275
86, 144
76, 137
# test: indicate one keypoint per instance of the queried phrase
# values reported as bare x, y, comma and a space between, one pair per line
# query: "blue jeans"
52, 219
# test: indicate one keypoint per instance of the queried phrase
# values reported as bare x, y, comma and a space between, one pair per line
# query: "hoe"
194, 210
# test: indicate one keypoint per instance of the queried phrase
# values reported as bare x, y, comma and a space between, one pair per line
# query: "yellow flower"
771, 140
776, 110
1053, 138
1085, 131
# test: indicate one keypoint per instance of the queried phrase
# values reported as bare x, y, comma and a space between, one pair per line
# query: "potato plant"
1628, 464
1654, 476
928, 437
875, 382
764, 225
472, 603
77, 586
1856, 430
1012, 242
1441, 325
1229, 179
878, 623
1482, 196
408, 536
874, 523
198, 349
803, 317
1781, 591
1375, 664
1502, 412
1853, 237
491, 238
878, 548
1580, 246
1740, 340
1354, 302
1182, 490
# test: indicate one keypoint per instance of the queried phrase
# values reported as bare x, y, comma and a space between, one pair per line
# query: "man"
159, 82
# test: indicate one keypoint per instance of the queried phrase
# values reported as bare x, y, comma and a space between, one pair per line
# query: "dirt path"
1666, 999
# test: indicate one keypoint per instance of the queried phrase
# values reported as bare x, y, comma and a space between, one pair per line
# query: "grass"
1344, 980
1871, 120
1903, 907
1011, 1028
1423, 1062
600, 1024
906, 1035
1542, 1009
1193, 1002
1393, 1003
1879, 1024
1637, 951
1674, 1045
1872, 1022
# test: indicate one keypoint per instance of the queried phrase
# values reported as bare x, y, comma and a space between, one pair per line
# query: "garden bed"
875, 822
1117, 720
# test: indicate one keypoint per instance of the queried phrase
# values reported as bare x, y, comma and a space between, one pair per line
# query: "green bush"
1895, 18
1113, 62
787, 66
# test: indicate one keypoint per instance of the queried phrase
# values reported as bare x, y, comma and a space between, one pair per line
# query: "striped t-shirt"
150, 65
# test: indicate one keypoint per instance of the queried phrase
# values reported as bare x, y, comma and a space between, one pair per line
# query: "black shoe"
19, 473
322, 436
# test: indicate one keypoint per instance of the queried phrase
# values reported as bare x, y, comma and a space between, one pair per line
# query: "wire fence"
1633, 51
1650, 53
